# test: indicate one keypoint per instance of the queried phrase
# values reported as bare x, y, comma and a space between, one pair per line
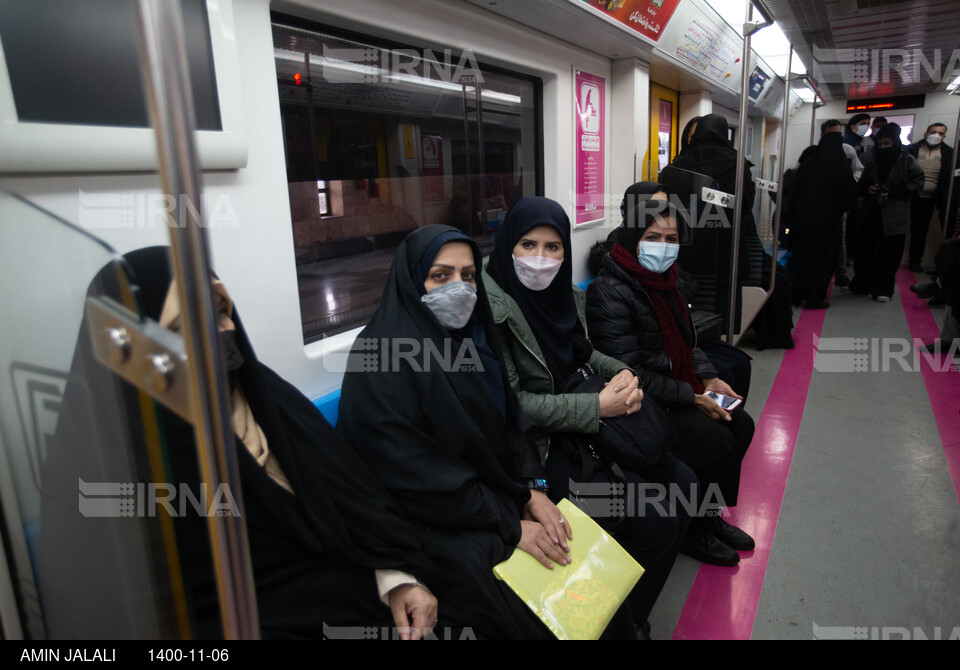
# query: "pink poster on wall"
431, 159
589, 91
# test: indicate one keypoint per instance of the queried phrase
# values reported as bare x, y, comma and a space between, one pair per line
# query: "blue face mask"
452, 304
657, 256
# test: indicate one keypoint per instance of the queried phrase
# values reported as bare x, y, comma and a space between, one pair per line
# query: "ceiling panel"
870, 48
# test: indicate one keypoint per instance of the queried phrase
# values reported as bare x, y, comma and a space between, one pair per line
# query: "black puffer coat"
623, 324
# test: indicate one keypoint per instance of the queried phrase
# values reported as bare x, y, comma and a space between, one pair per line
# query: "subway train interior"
291, 146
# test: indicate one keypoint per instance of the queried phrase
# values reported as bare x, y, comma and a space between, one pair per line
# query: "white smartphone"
725, 401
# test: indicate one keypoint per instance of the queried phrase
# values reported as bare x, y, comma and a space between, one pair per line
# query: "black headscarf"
629, 234
314, 552
684, 142
637, 200
712, 154
712, 130
886, 158
432, 433
440, 445
474, 329
552, 312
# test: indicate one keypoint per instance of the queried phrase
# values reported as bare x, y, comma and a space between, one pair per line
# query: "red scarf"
660, 287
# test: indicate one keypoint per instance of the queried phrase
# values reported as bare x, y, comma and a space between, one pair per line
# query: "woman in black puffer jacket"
635, 313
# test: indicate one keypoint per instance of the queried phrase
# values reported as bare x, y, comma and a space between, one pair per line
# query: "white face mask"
862, 129
451, 304
934, 139
657, 256
536, 272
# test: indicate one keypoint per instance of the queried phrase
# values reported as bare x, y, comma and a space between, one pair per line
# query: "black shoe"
938, 300
926, 290
731, 536
842, 280
707, 548
642, 630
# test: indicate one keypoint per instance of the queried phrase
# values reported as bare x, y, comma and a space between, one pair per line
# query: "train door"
664, 138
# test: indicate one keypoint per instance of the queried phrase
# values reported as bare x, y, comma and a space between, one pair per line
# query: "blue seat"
329, 406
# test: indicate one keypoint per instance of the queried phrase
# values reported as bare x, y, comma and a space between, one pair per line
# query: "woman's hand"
414, 610
710, 408
719, 386
536, 541
873, 189
621, 395
541, 509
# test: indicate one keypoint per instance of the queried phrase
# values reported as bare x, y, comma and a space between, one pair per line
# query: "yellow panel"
408, 149
651, 164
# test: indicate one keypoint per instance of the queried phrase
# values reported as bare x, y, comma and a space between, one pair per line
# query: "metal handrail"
953, 171
163, 63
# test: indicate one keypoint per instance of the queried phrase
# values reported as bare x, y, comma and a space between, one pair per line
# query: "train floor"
850, 487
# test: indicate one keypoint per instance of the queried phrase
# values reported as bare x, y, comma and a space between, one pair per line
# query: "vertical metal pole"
953, 174
781, 169
813, 122
483, 168
741, 173
166, 80
466, 148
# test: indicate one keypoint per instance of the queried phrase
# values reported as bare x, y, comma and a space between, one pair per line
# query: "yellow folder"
575, 601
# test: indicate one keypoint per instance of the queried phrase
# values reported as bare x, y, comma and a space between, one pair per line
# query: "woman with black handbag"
553, 368
637, 314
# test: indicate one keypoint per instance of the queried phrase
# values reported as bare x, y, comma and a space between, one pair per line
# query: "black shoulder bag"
634, 442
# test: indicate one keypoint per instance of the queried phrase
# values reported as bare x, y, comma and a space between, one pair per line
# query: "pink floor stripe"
941, 380
722, 603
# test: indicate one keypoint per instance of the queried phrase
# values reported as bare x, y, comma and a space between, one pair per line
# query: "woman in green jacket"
539, 315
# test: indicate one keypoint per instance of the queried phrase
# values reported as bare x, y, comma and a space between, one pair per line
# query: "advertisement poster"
708, 48
589, 91
758, 80
647, 17
431, 169
666, 121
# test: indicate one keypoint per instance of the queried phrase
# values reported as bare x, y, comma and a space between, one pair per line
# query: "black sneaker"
842, 280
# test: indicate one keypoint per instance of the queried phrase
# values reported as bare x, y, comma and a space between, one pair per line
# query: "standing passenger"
857, 128
934, 158
889, 182
825, 190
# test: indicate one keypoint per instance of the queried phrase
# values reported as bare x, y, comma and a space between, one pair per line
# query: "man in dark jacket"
934, 158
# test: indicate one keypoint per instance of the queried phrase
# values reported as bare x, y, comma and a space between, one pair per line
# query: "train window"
382, 139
